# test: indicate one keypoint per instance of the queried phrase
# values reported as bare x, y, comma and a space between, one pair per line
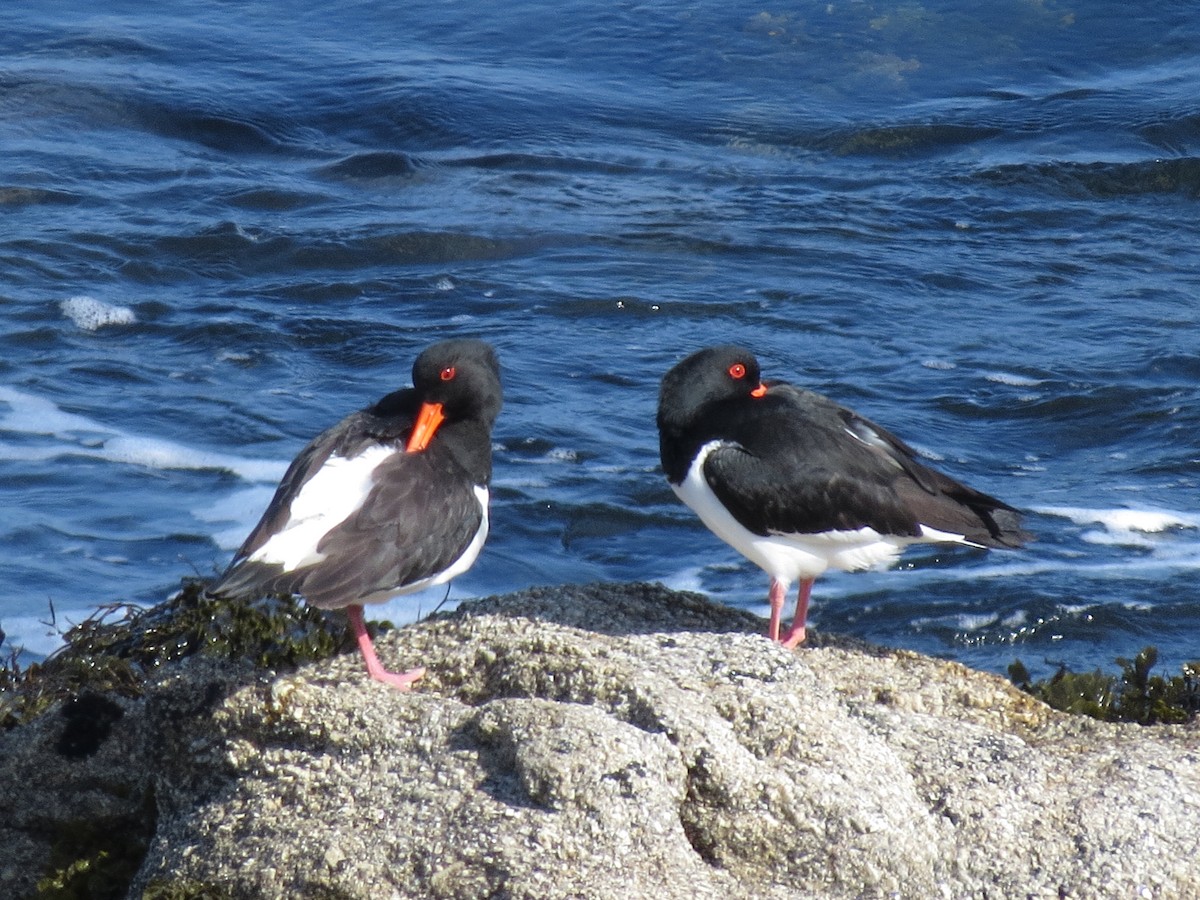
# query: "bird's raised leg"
796, 634
400, 680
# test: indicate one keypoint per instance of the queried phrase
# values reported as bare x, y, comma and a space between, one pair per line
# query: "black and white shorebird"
391, 500
798, 484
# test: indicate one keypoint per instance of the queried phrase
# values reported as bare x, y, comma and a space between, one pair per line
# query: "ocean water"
224, 226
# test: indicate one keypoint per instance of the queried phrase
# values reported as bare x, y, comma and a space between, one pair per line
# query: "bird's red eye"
448, 373
737, 370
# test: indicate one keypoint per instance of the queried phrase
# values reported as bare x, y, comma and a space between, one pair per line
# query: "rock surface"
608, 741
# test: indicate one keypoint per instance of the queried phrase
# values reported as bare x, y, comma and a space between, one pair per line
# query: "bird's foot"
401, 681
797, 633
794, 638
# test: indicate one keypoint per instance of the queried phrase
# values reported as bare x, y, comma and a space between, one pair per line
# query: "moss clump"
1132, 696
111, 655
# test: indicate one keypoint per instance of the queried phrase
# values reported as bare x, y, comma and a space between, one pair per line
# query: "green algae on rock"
116, 649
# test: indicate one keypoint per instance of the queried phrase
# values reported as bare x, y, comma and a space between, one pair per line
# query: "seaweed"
116, 650
1134, 695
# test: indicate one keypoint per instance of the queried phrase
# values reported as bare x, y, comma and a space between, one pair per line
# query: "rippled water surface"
225, 227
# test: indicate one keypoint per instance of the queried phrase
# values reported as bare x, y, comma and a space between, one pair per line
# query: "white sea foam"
1015, 620
1149, 528
237, 513
964, 622
35, 429
91, 314
1126, 522
158, 453
30, 414
1012, 379
686, 580
76, 435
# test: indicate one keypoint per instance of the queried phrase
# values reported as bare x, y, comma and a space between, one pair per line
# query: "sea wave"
1124, 521
80, 436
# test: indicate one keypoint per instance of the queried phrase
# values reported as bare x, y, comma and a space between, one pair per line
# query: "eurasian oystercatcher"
798, 484
391, 500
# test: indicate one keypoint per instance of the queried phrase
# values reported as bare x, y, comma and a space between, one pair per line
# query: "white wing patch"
327, 499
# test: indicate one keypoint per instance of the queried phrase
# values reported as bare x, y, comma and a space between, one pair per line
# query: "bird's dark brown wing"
797, 462
412, 526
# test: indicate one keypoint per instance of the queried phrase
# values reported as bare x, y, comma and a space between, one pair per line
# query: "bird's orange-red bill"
428, 420
760, 391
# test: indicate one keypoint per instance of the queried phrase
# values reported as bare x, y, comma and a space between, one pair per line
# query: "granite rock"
619, 741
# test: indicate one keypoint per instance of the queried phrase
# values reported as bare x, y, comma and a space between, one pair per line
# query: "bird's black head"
696, 399
708, 376
463, 376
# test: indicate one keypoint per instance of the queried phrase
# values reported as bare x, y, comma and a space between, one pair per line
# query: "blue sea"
223, 226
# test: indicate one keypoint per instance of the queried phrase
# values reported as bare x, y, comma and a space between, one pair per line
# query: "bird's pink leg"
797, 632
776, 598
401, 680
